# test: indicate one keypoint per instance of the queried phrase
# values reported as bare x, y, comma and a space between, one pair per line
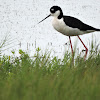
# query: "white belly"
61, 27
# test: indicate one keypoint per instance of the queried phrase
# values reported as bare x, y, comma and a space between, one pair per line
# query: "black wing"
76, 23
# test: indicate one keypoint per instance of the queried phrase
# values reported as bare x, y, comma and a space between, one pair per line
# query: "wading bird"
69, 26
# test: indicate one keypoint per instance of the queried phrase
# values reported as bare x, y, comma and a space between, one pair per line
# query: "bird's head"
55, 11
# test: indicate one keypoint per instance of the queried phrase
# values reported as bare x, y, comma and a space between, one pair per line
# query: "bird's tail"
97, 29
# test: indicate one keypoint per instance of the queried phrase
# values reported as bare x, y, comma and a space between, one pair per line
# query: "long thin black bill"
45, 18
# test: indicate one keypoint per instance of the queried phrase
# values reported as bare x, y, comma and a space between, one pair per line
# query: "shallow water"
19, 18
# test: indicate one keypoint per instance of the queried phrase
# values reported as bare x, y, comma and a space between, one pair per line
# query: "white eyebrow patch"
52, 9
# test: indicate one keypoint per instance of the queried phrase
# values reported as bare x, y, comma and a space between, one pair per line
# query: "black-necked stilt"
69, 26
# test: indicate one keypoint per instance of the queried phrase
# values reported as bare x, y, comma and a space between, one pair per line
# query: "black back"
76, 23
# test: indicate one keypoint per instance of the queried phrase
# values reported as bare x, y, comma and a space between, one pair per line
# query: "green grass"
43, 78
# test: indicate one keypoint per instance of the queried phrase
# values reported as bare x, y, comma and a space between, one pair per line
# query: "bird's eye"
52, 10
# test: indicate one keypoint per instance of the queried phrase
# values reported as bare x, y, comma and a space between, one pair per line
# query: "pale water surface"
19, 18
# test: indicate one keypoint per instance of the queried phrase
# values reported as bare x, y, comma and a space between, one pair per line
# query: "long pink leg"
84, 46
71, 45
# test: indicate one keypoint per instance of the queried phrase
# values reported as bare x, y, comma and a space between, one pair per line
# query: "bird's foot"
86, 53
